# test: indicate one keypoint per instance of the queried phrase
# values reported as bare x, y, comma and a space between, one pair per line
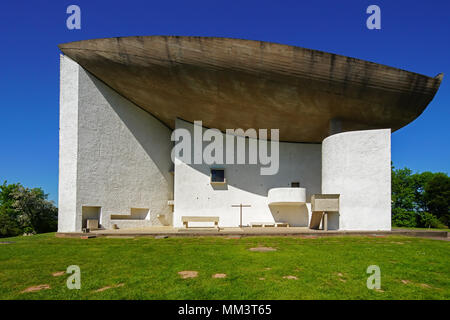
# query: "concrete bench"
282, 224
188, 219
268, 224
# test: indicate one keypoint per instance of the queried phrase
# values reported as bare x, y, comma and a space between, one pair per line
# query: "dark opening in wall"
91, 213
218, 176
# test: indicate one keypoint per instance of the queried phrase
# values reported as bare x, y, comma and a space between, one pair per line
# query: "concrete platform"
248, 232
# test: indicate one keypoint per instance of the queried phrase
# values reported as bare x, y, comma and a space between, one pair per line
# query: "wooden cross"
241, 206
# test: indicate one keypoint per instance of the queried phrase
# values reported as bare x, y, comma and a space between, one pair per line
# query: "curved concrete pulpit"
287, 196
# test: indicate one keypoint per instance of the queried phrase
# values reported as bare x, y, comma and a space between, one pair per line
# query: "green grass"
149, 267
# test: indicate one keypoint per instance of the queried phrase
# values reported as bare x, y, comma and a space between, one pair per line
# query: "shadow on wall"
295, 215
157, 146
251, 181
333, 221
298, 162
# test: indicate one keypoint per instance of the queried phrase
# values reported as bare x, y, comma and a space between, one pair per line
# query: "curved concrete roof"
232, 83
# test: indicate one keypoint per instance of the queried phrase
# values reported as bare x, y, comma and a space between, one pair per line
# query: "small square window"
218, 176
295, 184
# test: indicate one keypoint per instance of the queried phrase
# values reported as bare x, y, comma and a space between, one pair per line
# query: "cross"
241, 206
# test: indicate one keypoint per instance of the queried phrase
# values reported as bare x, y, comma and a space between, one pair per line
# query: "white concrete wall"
195, 196
113, 154
68, 144
357, 165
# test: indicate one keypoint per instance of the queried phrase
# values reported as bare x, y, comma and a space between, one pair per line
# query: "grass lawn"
147, 268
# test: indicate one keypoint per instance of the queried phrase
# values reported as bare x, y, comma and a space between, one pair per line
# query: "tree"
404, 218
437, 197
418, 181
428, 220
420, 199
403, 198
9, 227
35, 212
25, 210
6, 199
8, 216
402, 191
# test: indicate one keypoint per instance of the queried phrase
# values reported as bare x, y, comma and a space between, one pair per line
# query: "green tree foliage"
24, 210
428, 220
9, 225
404, 218
437, 196
420, 199
403, 193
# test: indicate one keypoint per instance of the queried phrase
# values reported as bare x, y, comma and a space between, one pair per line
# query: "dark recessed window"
218, 175
295, 184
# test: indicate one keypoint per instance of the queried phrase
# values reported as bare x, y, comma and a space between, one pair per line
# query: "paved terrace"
247, 232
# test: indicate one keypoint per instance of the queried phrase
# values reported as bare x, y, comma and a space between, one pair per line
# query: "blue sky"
414, 35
